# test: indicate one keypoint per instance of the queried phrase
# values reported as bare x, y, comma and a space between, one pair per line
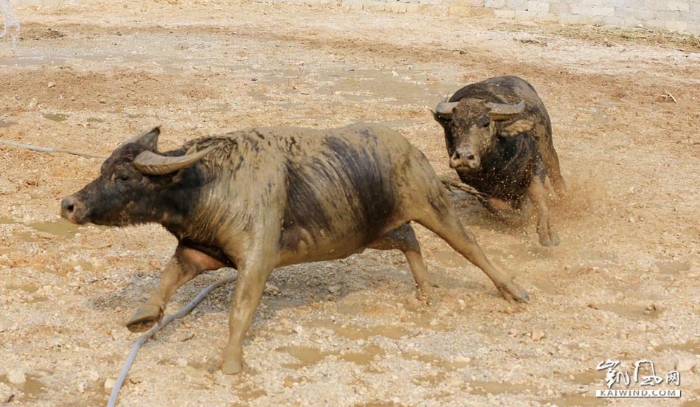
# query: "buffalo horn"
147, 137
150, 163
444, 108
504, 111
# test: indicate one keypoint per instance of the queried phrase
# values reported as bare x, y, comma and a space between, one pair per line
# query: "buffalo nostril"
67, 205
467, 155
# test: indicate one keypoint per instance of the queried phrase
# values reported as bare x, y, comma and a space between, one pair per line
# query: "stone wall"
675, 15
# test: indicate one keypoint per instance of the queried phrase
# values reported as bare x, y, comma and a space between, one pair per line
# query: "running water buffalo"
499, 139
263, 198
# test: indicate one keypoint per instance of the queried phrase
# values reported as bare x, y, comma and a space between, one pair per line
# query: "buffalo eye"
483, 122
123, 177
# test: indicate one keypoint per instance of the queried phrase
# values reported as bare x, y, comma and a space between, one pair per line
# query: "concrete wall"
675, 15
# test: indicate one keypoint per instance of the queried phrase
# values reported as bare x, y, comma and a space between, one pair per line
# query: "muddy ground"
622, 285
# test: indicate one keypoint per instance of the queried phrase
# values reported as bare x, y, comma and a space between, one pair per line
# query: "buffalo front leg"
252, 276
185, 265
505, 212
404, 238
548, 235
446, 225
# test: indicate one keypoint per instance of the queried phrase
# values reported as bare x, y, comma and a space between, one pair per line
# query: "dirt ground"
621, 286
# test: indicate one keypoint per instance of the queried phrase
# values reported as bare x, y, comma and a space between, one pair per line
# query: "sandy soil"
622, 285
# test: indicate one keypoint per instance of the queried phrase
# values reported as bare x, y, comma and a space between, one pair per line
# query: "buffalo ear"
440, 119
148, 138
517, 127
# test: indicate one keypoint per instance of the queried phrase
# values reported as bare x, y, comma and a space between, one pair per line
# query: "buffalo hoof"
425, 293
427, 297
231, 366
145, 317
513, 293
548, 235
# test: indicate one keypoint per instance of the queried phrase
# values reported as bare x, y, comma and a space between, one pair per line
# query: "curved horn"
148, 138
504, 111
150, 163
444, 108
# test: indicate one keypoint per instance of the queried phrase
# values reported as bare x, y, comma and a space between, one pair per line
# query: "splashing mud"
584, 197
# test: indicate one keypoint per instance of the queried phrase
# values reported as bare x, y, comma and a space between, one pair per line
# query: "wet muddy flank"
622, 285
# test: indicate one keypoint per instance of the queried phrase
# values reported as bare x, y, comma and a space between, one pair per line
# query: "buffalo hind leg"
446, 225
185, 265
537, 193
551, 162
404, 238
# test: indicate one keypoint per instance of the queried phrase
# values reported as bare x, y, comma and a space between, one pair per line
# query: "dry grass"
610, 35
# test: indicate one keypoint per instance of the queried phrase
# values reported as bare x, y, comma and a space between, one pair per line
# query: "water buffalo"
263, 198
499, 139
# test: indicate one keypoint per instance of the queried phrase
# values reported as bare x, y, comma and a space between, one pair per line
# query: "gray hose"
135, 348
50, 149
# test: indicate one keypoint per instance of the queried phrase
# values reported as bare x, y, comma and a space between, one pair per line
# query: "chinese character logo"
644, 374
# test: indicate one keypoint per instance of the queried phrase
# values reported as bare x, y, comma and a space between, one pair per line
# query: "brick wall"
675, 15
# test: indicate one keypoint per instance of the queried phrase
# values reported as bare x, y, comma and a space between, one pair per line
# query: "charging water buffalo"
499, 140
263, 198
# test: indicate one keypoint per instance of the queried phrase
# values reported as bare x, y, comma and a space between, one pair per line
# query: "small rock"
93, 376
298, 329
536, 335
271, 289
33, 103
529, 39
288, 383
182, 362
51, 84
686, 364
16, 376
334, 289
109, 384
